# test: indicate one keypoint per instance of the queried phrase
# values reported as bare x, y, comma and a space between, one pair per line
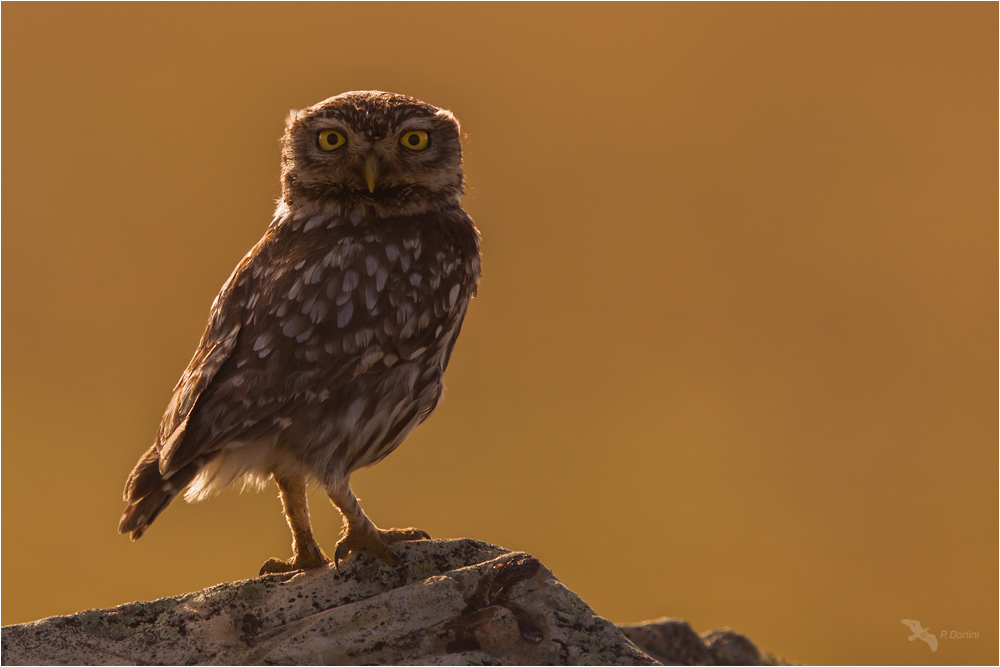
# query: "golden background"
735, 353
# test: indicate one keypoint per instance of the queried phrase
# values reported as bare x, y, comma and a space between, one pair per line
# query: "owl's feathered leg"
306, 553
360, 534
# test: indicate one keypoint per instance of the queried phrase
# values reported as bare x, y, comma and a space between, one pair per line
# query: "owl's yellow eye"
415, 140
330, 139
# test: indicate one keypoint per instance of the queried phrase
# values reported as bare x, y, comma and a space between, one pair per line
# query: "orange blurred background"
735, 353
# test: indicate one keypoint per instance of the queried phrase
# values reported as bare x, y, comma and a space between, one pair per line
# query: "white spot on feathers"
319, 311
392, 252
313, 274
371, 265
453, 296
332, 258
364, 337
371, 296
344, 316
295, 325
351, 280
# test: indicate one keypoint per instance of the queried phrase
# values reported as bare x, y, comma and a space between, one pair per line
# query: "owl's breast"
343, 295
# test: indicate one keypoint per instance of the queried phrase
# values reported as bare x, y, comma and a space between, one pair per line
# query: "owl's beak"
371, 172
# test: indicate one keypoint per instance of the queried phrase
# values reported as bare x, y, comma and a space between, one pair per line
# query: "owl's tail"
148, 493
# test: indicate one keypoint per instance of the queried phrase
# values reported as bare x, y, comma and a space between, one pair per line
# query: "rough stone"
452, 602
671, 641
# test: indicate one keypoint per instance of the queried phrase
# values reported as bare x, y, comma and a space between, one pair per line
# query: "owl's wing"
216, 346
306, 319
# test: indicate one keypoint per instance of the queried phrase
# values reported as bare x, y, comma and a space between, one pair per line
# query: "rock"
451, 602
673, 642
669, 640
730, 648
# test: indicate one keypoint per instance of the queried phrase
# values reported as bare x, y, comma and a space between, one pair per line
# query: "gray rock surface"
671, 641
451, 602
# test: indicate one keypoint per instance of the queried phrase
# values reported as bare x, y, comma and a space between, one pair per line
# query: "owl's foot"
375, 542
304, 559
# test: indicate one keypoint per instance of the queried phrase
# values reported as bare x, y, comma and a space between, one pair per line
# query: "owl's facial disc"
389, 151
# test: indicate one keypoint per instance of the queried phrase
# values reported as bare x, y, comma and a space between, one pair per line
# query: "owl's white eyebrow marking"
344, 316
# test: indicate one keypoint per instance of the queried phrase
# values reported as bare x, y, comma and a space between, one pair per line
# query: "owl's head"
390, 153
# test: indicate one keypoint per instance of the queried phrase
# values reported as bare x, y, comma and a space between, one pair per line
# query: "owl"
328, 343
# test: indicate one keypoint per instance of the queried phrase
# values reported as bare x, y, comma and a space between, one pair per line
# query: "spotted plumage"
328, 343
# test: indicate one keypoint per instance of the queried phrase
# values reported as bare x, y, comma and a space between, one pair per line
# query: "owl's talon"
375, 543
308, 558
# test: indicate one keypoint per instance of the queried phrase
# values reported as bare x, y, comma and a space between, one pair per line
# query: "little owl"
328, 344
